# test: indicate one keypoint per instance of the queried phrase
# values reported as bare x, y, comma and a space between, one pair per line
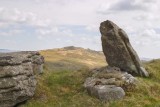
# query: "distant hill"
73, 58
146, 59
5, 50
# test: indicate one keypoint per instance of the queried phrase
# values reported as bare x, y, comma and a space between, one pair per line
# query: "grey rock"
18, 72
118, 50
109, 83
106, 92
91, 81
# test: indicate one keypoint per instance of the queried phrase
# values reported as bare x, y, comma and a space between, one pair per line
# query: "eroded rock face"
17, 76
109, 83
118, 50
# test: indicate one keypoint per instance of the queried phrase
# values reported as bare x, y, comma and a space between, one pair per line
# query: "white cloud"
47, 31
10, 32
148, 37
128, 5
15, 16
92, 28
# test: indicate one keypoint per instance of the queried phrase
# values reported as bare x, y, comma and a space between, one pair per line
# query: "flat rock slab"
16, 58
106, 92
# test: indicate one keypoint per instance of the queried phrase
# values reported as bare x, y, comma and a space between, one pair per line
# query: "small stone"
106, 92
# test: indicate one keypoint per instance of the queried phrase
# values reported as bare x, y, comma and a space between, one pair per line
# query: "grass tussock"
64, 88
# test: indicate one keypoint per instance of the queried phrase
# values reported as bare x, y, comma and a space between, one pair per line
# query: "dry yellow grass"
81, 56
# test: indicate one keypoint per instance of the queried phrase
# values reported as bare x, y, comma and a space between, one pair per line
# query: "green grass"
64, 88
61, 89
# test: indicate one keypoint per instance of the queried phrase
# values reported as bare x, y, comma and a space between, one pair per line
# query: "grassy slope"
65, 72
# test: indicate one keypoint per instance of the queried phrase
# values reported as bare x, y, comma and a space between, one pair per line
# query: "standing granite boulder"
17, 76
118, 50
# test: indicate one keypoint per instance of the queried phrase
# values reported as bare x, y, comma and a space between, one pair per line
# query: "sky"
47, 24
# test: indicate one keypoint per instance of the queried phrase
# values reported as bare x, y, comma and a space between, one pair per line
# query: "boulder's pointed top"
107, 25
108, 21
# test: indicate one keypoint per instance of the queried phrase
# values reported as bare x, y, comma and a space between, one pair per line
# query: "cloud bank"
44, 24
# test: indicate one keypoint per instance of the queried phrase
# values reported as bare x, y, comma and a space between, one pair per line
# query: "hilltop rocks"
17, 76
118, 50
109, 83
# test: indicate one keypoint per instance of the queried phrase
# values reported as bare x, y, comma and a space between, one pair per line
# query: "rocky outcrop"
118, 50
109, 83
17, 76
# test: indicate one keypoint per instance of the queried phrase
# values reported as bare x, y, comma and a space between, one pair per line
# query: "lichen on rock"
118, 50
17, 76
113, 80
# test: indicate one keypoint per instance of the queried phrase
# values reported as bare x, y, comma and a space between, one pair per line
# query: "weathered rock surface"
17, 76
106, 92
109, 83
118, 50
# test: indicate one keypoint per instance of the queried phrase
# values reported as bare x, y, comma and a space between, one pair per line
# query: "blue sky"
47, 24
